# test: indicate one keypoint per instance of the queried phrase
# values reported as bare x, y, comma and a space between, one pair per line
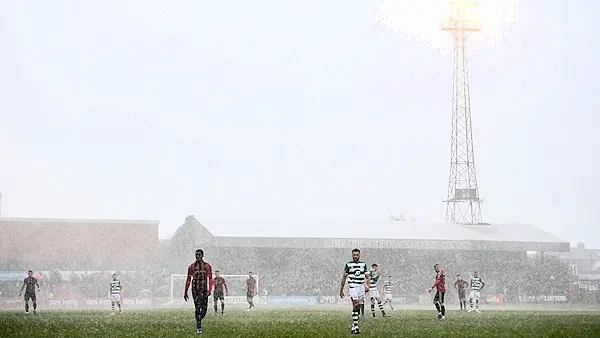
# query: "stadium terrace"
283, 253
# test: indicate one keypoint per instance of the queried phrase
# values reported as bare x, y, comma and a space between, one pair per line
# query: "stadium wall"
76, 244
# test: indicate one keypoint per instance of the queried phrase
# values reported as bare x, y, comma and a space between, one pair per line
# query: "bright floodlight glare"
420, 20
463, 16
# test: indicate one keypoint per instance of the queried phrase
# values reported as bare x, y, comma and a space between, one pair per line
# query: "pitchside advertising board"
78, 303
543, 299
268, 300
299, 301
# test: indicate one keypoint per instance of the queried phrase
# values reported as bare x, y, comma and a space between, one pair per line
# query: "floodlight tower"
463, 204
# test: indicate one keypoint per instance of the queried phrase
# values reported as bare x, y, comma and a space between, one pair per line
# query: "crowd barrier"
78, 303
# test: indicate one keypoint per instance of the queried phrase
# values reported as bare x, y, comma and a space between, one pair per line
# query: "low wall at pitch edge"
75, 303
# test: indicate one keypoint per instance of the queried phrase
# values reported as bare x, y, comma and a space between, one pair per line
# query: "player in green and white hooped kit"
115, 292
477, 285
387, 291
357, 275
374, 292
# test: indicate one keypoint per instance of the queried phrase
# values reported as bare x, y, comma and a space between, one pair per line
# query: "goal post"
235, 286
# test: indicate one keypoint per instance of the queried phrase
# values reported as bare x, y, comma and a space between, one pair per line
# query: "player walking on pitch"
357, 275
374, 292
116, 287
477, 285
29, 284
387, 291
461, 285
201, 272
440, 287
250, 288
219, 284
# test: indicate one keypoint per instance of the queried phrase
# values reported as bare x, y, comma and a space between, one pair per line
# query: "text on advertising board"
399, 244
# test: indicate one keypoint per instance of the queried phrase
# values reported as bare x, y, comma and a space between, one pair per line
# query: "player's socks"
477, 304
222, 308
362, 309
381, 308
355, 314
215, 307
443, 308
373, 309
27, 307
437, 306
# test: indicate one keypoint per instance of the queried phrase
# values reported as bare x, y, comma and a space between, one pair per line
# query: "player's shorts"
218, 296
461, 295
439, 297
357, 292
115, 297
474, 294
200, 300
250, 296
29, 296
374, 293
388, 296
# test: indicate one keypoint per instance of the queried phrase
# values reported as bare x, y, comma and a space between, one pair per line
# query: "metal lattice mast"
463, 204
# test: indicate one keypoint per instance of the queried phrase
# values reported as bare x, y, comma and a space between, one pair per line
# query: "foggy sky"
275, 109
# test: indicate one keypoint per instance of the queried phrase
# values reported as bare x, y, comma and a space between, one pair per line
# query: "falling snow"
535, 284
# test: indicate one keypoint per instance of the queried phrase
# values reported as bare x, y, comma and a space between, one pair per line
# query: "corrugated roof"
516, 232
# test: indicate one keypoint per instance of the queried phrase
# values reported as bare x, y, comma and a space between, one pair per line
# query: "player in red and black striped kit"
440, 286
29, 285
219, 284
250, 288
202, 284
461, 286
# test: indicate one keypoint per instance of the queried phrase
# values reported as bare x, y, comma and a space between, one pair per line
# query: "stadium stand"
305, 257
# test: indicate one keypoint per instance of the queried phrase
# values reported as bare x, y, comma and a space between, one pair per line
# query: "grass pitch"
299, 323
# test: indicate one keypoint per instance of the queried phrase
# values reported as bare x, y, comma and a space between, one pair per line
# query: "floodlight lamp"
463, 16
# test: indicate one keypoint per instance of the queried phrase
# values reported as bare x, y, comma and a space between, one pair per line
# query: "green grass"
299, 323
